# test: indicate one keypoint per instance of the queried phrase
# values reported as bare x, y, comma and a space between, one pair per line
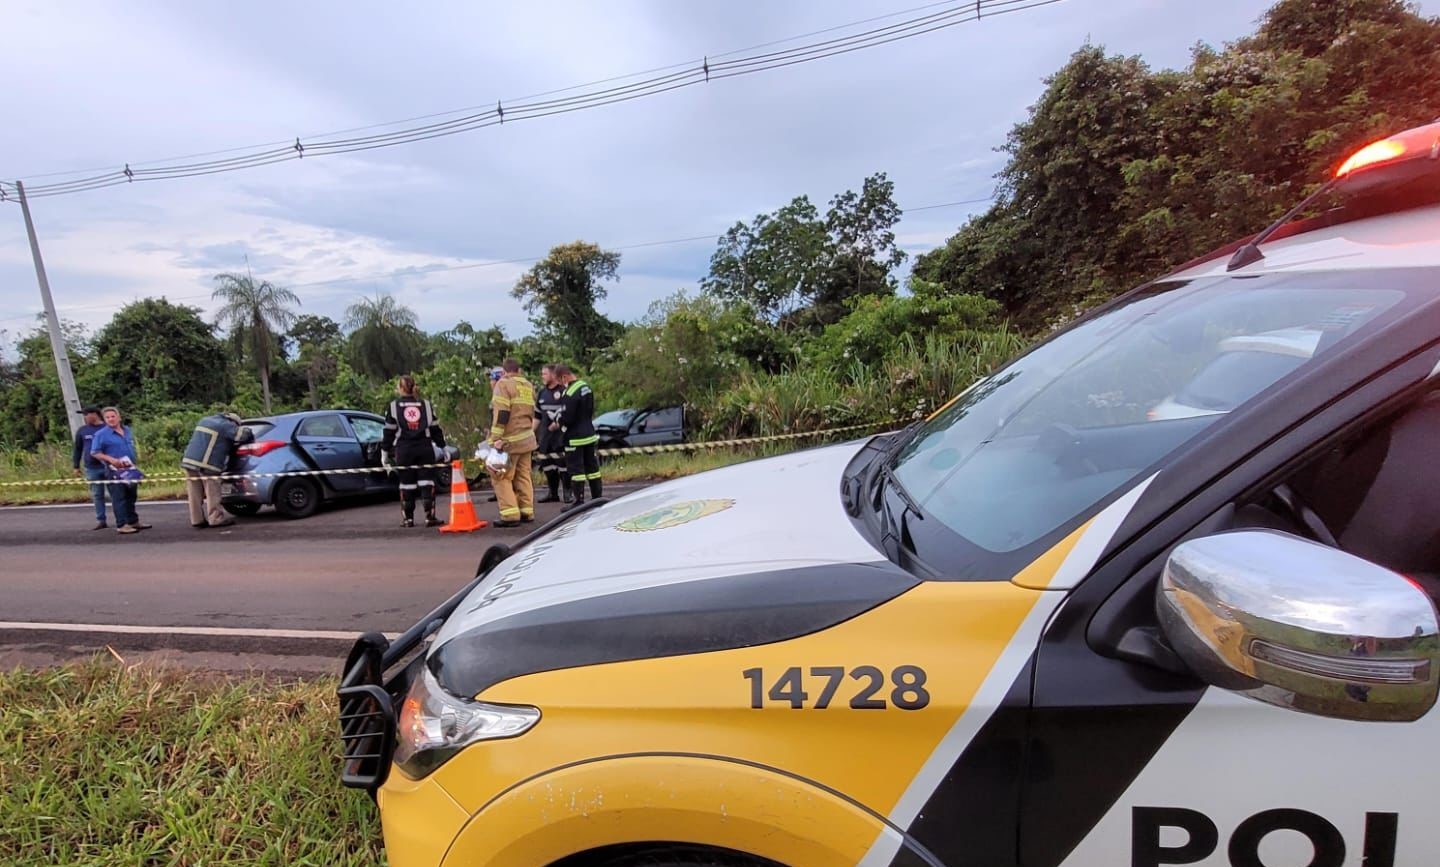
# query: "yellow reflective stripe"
506, 513
518, 437
585, 441
500, 401
496, 430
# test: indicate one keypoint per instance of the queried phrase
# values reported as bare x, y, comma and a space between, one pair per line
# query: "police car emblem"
666, 517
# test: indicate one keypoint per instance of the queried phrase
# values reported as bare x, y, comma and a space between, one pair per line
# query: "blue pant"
97, 492
123, 497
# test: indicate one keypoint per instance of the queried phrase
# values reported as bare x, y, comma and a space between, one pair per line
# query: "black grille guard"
368, 700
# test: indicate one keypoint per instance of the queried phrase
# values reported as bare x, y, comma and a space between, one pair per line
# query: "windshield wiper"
895, 538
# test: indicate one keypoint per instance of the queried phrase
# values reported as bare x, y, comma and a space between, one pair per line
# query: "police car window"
367, 430
322, 426
1077, 419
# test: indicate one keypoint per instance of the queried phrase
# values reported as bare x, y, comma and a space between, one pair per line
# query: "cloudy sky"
102, 84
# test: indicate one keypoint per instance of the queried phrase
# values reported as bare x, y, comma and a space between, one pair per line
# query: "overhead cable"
707, 69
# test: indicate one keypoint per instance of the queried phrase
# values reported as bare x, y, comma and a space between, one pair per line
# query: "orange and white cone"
462, 510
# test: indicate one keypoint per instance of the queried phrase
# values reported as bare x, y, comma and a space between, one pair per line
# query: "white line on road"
213, 631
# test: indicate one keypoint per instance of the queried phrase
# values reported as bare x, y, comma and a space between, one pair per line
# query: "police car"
1040, 628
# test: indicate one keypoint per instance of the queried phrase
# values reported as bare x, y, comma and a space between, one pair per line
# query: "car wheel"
686, 856
243, 510
297, 498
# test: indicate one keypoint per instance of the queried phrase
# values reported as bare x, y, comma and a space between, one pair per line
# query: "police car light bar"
1422, 142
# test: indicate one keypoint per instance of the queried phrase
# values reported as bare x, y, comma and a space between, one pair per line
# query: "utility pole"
52, 322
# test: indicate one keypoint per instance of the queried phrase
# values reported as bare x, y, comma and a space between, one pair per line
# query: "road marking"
212, 631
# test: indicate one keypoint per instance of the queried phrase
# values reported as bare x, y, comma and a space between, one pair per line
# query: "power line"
442, 269
474, 108
743, 62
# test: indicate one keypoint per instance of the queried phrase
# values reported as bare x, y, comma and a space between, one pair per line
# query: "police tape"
630, 450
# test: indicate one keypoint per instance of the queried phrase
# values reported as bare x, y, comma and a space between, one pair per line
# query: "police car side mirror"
1297, 624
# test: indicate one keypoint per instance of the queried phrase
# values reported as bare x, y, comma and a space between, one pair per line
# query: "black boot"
594, 489
552, 478
579, 499
430, 519
567, 493
407, 507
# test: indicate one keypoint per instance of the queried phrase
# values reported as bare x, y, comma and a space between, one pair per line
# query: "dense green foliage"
1121, 172
1118, 173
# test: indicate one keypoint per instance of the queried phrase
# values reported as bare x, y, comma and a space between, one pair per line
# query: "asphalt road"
267, 593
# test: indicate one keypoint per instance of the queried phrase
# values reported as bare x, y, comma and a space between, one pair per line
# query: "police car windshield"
1039, 444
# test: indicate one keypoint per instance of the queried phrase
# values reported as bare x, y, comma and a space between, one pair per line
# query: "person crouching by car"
205, 459
114, 446
411, 434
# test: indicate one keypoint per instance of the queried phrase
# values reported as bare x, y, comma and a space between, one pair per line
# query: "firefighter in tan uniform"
513, 432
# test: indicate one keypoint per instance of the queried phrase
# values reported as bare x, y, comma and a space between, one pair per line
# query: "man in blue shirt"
85, 463
114, 446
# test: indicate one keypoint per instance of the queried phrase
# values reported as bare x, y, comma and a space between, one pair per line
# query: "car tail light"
263, 447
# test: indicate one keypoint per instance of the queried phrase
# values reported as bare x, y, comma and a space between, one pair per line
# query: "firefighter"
412, 434
576, 420
512, 431
552, 442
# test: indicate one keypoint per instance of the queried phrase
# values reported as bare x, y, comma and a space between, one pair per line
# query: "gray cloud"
107, 84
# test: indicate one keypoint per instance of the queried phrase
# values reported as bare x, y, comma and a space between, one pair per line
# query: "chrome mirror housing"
1301, 625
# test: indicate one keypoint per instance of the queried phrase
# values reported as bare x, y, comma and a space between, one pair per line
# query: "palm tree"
384, 338
253, 314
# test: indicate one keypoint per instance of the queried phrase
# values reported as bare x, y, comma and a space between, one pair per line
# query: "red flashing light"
263, 447
1420, 142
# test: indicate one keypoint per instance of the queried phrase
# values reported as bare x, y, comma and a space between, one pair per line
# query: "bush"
870, 332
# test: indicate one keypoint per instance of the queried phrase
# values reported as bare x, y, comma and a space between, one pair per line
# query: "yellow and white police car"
1045, 627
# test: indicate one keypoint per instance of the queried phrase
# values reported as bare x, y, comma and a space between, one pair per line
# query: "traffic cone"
462, 511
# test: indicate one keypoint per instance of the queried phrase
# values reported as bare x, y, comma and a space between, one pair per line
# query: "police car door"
1133, 760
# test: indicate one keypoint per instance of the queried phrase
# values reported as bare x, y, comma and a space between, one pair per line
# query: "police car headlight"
435, 725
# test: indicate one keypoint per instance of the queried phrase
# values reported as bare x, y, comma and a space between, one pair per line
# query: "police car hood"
744, 555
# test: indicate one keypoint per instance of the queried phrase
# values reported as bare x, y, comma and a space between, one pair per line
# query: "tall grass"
52, 462
102, 764
917, 377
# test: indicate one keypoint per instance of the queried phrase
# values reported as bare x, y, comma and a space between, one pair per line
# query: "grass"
52, 462
105, 764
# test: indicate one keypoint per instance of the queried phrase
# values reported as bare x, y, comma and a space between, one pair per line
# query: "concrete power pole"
52, 322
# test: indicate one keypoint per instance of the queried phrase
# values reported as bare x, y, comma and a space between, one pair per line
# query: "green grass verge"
103, 764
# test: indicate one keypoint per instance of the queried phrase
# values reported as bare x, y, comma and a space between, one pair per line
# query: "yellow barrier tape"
633, 450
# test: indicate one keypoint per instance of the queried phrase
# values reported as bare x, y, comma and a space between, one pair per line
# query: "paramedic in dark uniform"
577, 413
411, 435
552, 442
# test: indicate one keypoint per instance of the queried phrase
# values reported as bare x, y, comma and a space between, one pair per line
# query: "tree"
1120, 172
254, 313
861, 229
798, 269
560, 294
487, 346
153, 354
384, 338
773, 264
320, 344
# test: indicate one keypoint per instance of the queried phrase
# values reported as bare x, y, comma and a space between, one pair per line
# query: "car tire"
685, 856
242, 510
297, 498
